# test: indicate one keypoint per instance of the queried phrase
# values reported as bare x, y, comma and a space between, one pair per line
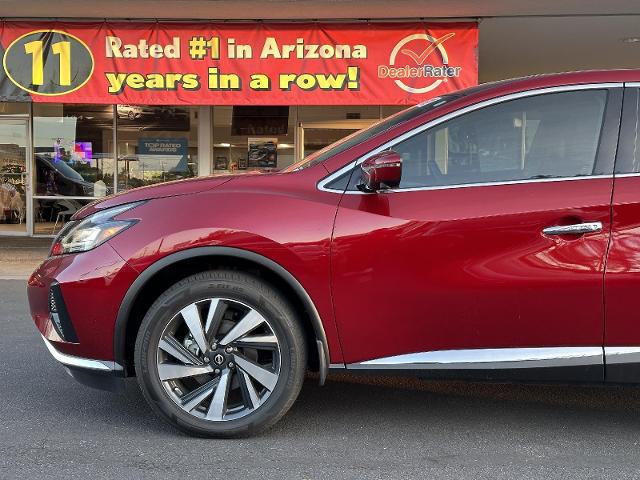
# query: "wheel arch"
159, 275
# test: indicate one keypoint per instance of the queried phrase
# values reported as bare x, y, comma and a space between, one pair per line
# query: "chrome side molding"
621, 355
486, 359
79, 362
502, 358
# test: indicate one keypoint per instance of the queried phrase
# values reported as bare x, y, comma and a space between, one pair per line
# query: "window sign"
164, 154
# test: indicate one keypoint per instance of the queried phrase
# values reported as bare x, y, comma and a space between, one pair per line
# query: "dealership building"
100, 97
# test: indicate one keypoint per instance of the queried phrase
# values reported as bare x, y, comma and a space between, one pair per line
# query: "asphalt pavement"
354, 427
19, 256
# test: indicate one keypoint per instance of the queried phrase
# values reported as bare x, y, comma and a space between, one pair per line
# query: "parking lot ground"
354, 427
19, 256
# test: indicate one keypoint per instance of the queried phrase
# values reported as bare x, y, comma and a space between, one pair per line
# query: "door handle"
575, 229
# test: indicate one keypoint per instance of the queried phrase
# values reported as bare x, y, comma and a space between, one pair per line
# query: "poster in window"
163, 154
221, 163
263, 152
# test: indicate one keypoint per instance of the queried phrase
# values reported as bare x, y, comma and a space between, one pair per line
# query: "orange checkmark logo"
420, 59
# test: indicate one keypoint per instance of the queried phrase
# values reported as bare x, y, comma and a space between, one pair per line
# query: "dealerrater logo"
419, 56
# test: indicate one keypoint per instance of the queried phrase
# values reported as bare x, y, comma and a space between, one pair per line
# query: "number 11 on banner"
62, 49
48, 62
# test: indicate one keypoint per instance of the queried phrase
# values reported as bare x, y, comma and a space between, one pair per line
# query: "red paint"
622, 283
168, 189
382, 169
469, 268
93, 286
389, 273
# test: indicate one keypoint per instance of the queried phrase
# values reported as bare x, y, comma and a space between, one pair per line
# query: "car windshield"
369, 132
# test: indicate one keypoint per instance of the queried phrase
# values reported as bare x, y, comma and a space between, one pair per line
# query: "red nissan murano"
490, 234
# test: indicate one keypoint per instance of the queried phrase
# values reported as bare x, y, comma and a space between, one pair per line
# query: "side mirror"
380, 171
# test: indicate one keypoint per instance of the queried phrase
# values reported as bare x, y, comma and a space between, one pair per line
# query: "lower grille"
60, 316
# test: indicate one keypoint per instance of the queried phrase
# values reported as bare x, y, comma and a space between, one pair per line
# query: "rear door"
455, 259
622, 279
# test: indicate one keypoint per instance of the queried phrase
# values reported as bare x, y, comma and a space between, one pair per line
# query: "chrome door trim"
512, 96
624, 175
621, 355
487, 359
574, 229
484, 184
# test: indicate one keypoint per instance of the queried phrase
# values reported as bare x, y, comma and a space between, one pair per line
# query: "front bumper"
100, 374
74, 300
91, 287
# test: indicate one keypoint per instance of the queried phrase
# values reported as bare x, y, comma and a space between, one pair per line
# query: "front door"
14, 177
495, 239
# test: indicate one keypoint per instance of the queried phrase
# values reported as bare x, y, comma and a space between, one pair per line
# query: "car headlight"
83, 235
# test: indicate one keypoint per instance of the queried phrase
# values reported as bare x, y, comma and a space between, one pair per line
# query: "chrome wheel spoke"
217, 309
195, 397
174, 348
168, 371
218, 359
250, 321
192, 319
257, 372
218, 404
258, 341
251, 397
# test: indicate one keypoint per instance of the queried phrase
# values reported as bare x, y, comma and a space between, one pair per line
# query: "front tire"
221, 354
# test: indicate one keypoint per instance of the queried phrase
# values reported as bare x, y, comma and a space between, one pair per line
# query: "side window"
544, 136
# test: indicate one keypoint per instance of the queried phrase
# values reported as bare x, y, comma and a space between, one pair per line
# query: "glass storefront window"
14, 108
73, 150
388, 110
73, 155
325, 113
249, 139
13, 175
50, 214
156, 144
321, 126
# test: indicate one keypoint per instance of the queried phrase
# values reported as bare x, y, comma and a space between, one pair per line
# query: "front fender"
124, 312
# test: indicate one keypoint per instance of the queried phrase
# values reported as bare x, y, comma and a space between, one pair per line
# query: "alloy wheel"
218, 359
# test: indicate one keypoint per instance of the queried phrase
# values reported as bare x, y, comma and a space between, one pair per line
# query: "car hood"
168, 189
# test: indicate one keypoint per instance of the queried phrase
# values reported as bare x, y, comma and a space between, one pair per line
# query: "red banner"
236, 63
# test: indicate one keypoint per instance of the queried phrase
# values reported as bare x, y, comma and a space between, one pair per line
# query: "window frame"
605, 154
625, 156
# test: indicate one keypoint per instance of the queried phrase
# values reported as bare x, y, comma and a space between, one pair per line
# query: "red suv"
489, 234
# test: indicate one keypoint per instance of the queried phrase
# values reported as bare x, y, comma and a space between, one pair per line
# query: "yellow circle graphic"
67, 66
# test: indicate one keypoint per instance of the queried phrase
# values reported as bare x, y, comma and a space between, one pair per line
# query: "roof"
502, 87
